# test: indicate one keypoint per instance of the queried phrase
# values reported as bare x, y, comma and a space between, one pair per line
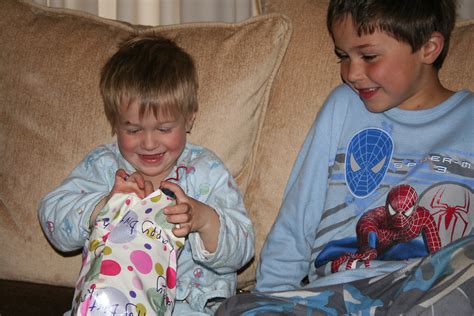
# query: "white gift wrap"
129, 261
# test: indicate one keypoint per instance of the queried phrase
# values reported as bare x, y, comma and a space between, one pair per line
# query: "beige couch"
262, 83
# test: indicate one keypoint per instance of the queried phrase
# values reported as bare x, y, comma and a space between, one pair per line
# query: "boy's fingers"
177, 209
174, 188
122, 174
176, 215
148, 188
134, 178
139, 180
180, 231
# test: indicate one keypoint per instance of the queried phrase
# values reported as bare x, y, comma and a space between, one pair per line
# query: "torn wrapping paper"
129, 262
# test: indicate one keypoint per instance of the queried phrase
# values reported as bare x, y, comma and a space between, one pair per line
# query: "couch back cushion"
458, 68
307, 75
51, 112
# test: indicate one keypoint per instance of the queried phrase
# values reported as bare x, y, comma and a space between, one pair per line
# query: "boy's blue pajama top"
202, 276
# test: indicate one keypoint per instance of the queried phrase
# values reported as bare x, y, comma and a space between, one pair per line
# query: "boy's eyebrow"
129, 123
138, 124
337, 49
365, 46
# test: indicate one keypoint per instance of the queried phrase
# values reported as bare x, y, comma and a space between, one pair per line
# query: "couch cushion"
458, 68
307, 75
51, 113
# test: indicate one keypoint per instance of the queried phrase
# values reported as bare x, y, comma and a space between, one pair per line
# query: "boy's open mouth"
367, 93
151, 158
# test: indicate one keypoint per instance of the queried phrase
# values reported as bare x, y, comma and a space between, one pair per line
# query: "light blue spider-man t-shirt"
351, 159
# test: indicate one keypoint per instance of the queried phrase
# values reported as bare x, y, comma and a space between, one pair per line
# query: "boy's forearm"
210, 231
97, 210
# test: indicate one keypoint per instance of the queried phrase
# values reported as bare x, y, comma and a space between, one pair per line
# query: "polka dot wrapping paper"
129, 261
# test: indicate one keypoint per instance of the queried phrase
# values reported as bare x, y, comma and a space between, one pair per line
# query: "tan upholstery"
259, 92
51, 111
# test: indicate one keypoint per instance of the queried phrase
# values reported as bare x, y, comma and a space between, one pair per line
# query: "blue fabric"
439, 284
432, 151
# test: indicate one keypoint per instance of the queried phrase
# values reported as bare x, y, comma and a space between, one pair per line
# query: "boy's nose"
149, 141
354, 72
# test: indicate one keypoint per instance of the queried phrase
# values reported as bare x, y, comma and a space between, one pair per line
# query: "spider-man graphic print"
451, 206
399, 220
367, 159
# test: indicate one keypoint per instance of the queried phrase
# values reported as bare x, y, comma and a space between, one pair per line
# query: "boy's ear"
190, 122
432, 48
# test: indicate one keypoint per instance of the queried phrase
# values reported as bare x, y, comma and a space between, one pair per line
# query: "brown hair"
153, 71
409, 21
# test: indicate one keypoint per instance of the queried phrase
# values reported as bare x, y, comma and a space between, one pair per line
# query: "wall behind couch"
466, 9
162, 12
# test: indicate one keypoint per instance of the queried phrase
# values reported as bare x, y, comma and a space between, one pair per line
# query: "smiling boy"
149, 88
358, 231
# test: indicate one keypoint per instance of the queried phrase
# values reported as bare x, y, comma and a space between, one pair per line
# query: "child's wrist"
97, 209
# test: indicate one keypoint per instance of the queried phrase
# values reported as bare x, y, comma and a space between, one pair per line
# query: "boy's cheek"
125, 141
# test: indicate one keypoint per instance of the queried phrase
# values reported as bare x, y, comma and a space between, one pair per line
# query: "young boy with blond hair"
149, 88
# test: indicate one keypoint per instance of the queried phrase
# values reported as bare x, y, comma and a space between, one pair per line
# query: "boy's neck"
432, 94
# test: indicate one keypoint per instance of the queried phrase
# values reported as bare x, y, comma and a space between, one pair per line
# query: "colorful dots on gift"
160, 220
137, 283
85, 306
148, 210
116, 215
93, 245
108, 299
159, 269
107, 250
110, 267
147, 246
125, 230
158, 301
170, 277
105, 237
156, 198
141, 309
142, 261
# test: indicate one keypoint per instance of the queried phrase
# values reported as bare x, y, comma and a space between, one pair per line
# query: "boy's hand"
124, 183
133, 183
190, 215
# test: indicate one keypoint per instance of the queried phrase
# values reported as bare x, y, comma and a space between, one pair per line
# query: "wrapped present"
129, 262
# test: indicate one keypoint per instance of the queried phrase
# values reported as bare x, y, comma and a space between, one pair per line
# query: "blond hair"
155, 73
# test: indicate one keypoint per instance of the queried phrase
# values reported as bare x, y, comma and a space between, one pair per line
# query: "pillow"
458, 68
51, 112
307, 74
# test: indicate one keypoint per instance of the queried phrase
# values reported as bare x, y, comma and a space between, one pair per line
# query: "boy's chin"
377, 108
